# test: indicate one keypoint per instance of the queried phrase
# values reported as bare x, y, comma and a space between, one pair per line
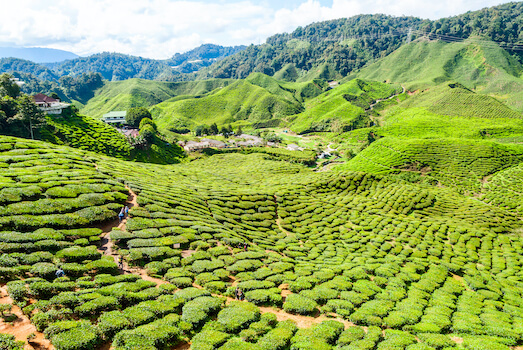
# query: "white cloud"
160, 28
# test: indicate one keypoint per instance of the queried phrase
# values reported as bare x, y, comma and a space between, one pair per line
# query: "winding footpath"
107, 244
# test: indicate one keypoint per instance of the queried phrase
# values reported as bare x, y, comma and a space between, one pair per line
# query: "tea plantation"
414, 243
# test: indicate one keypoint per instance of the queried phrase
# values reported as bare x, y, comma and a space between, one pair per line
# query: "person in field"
59, 273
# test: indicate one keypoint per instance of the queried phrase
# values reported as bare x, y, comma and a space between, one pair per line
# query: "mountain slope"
122, 95
477, 65
347, 44
202, 56
238, 101
342, 108
10, 65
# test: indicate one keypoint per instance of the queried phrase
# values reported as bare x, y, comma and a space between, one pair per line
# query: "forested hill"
116, 66
202, 56
329, 49
339, 46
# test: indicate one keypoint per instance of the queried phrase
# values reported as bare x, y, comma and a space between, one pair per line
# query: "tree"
147, 132
198, 131
239, 130
136, 114
147, 121
28, 114
8, 87
213, 129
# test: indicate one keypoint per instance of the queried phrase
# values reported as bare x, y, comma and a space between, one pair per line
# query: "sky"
160, 28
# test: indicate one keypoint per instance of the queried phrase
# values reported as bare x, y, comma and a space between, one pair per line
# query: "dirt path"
21, 327
107, 244
302, 321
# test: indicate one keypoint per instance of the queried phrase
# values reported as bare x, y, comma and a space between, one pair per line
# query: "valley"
377, 206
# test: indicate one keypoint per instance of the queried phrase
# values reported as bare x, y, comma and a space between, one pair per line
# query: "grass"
486, 69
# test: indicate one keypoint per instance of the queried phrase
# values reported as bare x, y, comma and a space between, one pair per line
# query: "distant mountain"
202, 56
37, 54
117, 66
11, 65
337, 47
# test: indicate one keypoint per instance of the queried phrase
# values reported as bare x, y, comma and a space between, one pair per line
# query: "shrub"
279, 337
181, 282
112, 322
216, 287
42, 290
78, 254
103, 266
238, 315
209, 339
437, 341
160, 334
9, 342
17, 290
191, 293
95, 306
44, 270
350, 335
299, 304
198, 310
255, 284
42, 319
62, 326
138, 316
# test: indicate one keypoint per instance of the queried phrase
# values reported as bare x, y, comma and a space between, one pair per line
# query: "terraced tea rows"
408, 266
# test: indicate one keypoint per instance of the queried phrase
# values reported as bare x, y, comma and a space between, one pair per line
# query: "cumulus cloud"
160, 28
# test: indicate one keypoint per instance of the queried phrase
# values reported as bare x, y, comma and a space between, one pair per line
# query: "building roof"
113, 114
41, 98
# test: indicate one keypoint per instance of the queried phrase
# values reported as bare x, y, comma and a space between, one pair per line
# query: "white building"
115, 117
49, 105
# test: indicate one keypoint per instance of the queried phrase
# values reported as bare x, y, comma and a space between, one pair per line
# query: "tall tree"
136, 114
29, 116
8, 87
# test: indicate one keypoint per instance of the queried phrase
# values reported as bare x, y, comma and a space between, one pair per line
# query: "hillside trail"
107, 244
21, 327
371, 106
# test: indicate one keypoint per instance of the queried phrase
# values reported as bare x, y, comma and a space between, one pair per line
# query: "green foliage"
298, 304
237, 316
135, 115
8, 342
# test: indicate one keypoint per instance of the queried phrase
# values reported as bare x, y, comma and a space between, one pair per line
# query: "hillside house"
48, 104
115, 118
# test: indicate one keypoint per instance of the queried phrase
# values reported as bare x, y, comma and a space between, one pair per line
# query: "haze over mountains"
37, 54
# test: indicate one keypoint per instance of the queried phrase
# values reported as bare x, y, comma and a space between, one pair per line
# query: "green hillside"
89, 134
483, 68
390, 262
239, 101
86, 133
122, 95
454, 99
342, 108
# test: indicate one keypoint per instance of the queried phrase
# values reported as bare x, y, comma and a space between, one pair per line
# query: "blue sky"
161, 28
